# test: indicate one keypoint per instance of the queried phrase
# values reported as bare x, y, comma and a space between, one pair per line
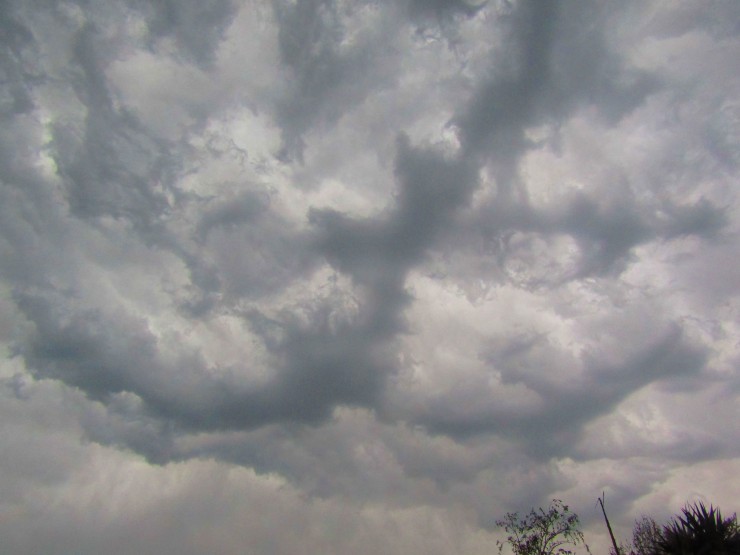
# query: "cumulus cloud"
390, 268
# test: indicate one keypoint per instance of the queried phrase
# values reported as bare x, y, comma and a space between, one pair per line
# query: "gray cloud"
563, 406
329, 66
197, 27
382, 264
431, 190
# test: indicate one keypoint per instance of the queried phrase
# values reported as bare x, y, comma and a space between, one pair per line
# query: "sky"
361, 276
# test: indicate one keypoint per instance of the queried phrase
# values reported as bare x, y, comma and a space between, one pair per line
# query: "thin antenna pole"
609, 527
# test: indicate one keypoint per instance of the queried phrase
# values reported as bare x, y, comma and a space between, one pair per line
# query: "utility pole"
609, 527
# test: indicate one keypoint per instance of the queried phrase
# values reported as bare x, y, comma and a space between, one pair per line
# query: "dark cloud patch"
553, 425
105, 359
19, 75
330, 68
34, 243
124, 422
493, 121
110, 166
257, 258
554, 60
242, 248
116, 360
585, 69
328, 362
604, 233
308, 38
702, 219
99, 182
442, 9
432, 189
721, 21
233, 212
607, 234
84, 350
197, 27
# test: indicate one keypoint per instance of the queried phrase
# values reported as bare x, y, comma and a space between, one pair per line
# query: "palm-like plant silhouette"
699, 532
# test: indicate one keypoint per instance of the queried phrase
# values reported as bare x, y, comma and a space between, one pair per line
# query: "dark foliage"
542, 531
645, 536
699, 531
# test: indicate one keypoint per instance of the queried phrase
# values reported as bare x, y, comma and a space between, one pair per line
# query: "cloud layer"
374, 273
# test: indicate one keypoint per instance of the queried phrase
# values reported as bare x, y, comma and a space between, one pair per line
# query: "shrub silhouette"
699, 531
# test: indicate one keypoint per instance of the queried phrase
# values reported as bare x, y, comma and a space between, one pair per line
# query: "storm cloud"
363, 276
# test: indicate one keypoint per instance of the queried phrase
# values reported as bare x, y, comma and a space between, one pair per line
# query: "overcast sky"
361, 276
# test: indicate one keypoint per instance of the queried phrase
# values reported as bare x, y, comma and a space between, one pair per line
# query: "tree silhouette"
542, 531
